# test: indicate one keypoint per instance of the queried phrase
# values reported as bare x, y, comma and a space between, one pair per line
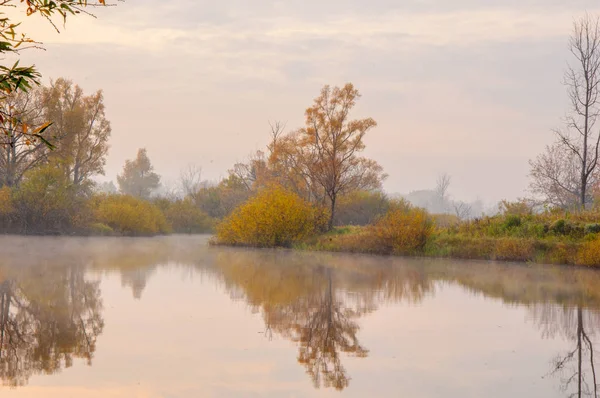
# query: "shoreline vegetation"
276, 218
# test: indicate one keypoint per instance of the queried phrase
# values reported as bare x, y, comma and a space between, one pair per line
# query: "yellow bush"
129, 215
514, 249
404, 230
589, 254
274, 217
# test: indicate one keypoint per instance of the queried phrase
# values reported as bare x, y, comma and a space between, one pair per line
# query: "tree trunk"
579, 333
332, 215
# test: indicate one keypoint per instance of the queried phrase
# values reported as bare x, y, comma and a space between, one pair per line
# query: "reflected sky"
172, 317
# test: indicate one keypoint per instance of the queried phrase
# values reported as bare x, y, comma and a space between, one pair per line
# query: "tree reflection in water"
317, 306
323, 327
46, 321
576, 368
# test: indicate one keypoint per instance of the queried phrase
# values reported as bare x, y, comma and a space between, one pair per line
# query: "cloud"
451, 83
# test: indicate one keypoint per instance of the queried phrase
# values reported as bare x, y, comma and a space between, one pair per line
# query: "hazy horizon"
471, 88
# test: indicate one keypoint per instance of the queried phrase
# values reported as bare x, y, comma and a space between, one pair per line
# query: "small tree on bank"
324, 155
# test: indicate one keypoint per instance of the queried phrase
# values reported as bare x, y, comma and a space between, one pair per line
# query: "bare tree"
580, 137
190, 180
19, 153
555, 177
441, 192
277, 129
462, 210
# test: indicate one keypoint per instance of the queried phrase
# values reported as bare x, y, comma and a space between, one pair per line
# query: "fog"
469, 88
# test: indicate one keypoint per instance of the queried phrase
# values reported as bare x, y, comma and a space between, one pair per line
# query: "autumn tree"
18, 151
326, 153
580, 139
138, 177
47, 203
15, 77
80, 127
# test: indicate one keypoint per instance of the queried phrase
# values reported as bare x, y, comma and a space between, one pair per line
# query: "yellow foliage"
404, 230
589, 253
274, 217
514, 249
46, 203
129, 215
6, 202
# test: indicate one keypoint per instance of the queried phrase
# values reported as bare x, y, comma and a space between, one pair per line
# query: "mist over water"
171, 316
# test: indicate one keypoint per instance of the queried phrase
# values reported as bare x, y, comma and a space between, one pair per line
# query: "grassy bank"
572, 239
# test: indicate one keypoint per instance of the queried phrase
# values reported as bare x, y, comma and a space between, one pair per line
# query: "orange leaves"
404, 230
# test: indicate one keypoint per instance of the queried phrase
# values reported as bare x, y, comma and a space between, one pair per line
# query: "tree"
107, 187
327, 149
18, 152
462, 210
80, 127
21, 78
581, 139
138, 177
441, 193
555, 177
190, 180
47, 203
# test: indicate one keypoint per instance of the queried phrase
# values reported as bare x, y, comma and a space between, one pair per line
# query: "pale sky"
468, 87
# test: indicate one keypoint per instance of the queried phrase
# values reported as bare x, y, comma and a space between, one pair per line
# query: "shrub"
402, 231
466, 247
273, 217
519, 208
559, 227
185, 217
512, 221
46, 202
361, 208
592, 228
514, 249
129, 215
98, 228
589, 253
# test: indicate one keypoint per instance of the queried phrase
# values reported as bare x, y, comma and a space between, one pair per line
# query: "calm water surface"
172, 317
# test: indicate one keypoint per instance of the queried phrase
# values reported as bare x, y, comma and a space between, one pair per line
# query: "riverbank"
561, 242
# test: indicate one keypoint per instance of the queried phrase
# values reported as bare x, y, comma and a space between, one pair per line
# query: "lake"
173, 317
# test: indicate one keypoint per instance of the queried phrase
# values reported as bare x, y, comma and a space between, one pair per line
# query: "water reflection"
46, 322
316, 300
323, 326
51, 307
575, 368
